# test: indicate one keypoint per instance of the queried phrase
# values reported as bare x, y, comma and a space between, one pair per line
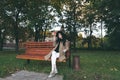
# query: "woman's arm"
67, 45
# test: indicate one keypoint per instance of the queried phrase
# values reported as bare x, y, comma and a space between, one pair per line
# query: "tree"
15, 11
88, 19
110, 15
3, 23
71, 10
40, 16
1, 28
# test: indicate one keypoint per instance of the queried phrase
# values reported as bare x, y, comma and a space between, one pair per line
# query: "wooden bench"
37, 51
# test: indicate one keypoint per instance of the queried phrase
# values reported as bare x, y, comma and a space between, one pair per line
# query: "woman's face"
60, 36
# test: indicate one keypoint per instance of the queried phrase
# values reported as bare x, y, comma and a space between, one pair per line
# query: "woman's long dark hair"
63, 37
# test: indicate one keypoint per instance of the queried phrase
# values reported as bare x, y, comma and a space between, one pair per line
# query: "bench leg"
28, 61
69, 62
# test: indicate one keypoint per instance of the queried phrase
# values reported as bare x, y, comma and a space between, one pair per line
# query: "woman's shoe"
51, 75
56, 72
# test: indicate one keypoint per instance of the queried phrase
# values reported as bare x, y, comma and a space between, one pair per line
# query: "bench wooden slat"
32, 57
36, 50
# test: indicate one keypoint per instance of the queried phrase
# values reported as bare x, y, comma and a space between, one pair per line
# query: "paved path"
26, 75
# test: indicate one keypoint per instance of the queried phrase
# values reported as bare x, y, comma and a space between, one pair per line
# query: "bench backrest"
38, 47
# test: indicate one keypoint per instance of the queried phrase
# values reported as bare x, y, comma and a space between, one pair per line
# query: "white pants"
54, 57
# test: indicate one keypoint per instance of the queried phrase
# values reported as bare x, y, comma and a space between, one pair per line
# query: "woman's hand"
64, 50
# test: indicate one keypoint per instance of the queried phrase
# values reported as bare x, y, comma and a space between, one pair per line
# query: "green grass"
94, 65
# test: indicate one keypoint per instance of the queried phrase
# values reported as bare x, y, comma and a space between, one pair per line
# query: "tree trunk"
1, 41
74, 41
16, 33
90, 38
37, 33
16, 37
74, 28
101, 34
2, 37
44, 36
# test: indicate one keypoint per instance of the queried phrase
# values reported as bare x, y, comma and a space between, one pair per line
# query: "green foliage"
108, 11
78, 14
114, 39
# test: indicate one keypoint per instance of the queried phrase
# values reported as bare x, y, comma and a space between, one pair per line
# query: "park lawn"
94, 65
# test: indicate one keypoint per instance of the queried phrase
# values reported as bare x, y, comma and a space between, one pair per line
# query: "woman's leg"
53, 63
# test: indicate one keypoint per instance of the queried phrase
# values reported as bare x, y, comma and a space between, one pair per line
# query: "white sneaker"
51, 75
56, 72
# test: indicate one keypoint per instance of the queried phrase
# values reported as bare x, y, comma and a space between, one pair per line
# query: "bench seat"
31, 57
